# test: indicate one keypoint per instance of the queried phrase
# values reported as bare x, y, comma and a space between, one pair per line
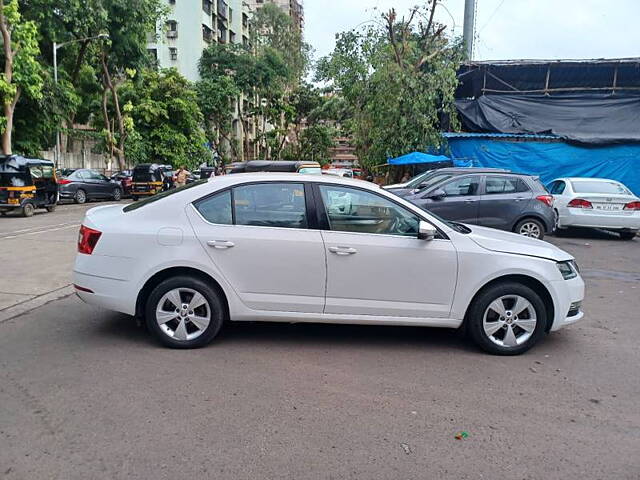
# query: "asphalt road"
85, 393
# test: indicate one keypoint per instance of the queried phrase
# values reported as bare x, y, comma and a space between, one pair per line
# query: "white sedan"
297, 248
597, 203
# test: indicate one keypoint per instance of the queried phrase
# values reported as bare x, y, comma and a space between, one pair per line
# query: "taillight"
87, 239
579, 203
632, 206
63, 181
546, 199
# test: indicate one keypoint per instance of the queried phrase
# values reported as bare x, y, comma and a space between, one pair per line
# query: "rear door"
460, 202
258, 235
502, 201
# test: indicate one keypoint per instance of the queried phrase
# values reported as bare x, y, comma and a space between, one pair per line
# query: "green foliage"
315, 142
163, 119
397, 79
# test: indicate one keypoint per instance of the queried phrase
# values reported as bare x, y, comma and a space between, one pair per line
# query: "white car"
595, 202
304, 248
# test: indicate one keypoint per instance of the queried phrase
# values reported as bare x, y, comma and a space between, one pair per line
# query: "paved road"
84, 393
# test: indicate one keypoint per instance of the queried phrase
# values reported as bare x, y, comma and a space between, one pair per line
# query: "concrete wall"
84, 159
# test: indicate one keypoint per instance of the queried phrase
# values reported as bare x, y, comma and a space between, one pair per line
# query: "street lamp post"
56, 46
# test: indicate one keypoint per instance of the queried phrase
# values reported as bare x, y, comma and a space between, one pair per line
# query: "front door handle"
470, 200
220, 244
343, 250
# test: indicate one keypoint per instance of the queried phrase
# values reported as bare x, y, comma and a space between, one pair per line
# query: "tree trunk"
108, 84
9, 104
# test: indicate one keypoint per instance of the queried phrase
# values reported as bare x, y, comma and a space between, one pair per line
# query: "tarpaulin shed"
418, 157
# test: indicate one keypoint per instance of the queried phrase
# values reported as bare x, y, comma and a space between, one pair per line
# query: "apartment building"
293, 8
192, 25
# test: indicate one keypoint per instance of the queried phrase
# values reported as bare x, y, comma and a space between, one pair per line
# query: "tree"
316, 142
398, 78
162, 120
21, 72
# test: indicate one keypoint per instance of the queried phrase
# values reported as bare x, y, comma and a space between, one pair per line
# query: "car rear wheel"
530, 227
628, 235
28, 210
507, 319
184, 312
117, 194
80, 196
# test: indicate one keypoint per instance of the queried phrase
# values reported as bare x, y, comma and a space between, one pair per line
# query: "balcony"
222, 9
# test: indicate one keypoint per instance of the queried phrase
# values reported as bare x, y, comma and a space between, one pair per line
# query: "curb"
37, 302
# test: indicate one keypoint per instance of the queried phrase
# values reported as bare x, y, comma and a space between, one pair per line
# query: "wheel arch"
531, 282
169, 272
534, 216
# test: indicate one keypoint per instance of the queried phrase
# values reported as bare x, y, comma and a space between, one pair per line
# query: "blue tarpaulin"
549, 159
418, 157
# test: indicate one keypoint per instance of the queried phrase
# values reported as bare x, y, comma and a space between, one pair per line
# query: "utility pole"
469, 27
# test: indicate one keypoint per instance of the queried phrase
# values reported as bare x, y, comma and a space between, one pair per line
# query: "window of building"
173, 53
206, 6
172, 29
153, 53
207, 34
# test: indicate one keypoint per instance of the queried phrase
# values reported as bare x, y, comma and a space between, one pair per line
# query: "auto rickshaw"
27, 184
275, 166
151, 178
207, 172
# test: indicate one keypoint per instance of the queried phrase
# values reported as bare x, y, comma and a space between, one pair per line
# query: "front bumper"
566, 294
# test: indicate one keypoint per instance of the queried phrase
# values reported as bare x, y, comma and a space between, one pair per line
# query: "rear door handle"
220, 244
343, 250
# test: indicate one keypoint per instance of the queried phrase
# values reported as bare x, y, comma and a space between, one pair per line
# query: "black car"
509, 201
83, 184
431, 177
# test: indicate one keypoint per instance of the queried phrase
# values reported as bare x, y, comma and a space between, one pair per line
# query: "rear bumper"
566, 294
105, 292
590, 218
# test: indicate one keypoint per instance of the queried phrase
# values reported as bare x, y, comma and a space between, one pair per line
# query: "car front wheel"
184, 312
507, 319
80, 196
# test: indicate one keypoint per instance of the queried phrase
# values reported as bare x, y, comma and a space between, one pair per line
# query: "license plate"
608, 206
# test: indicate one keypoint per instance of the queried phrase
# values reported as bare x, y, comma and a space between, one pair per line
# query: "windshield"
417, 180
599, 187
14, 180
160, 196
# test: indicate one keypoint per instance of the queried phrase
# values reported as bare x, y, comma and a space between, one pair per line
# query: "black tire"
117, 194
528, 224
475, 317
628, 235
80, 196
134, 198
28, 209
215, 304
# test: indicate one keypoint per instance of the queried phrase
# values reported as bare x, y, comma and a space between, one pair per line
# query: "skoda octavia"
304, 248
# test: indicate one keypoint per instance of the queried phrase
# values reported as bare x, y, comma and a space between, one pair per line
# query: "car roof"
587, 179
239, 178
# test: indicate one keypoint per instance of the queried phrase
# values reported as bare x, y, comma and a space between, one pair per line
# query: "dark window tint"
353, 210
216, 209
504, 185
557, 188
270, 205
461, 187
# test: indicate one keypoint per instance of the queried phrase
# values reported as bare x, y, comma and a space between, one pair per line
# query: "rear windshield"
15, 180
599, 187
160, 196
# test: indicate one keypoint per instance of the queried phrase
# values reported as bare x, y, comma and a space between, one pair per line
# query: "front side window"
270, 205
461, 187
216, 209
353, 210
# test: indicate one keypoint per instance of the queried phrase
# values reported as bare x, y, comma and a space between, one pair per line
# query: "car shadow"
587, 233
124, 328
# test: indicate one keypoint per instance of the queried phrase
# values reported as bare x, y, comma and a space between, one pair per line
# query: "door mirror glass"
426, 231
438, 194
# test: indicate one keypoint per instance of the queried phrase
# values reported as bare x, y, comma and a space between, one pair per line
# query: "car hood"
507, 242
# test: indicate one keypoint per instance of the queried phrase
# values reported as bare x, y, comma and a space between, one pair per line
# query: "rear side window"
216, 209
504, 185
270, 205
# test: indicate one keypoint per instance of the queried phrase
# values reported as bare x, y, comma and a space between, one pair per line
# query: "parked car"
125, 177
431, 177
508, 201
83, 184
596, 202
316, 248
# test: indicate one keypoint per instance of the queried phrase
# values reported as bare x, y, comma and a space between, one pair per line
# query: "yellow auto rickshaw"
151, 178
27, 184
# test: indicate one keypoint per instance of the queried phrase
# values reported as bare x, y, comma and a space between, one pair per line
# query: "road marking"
75, 225
37, 228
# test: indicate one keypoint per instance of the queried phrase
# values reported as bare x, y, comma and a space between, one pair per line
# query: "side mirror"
426, 231
438, 194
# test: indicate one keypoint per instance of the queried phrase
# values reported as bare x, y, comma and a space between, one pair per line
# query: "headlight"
568, 269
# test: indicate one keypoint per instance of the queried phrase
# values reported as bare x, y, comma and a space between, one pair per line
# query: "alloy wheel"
509, 321
183, 314
81, 197
530, 229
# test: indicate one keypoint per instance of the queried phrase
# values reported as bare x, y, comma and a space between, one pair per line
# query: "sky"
505, 29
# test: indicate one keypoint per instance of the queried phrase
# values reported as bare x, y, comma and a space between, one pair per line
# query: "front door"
262, 244
376, 265
460, 200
